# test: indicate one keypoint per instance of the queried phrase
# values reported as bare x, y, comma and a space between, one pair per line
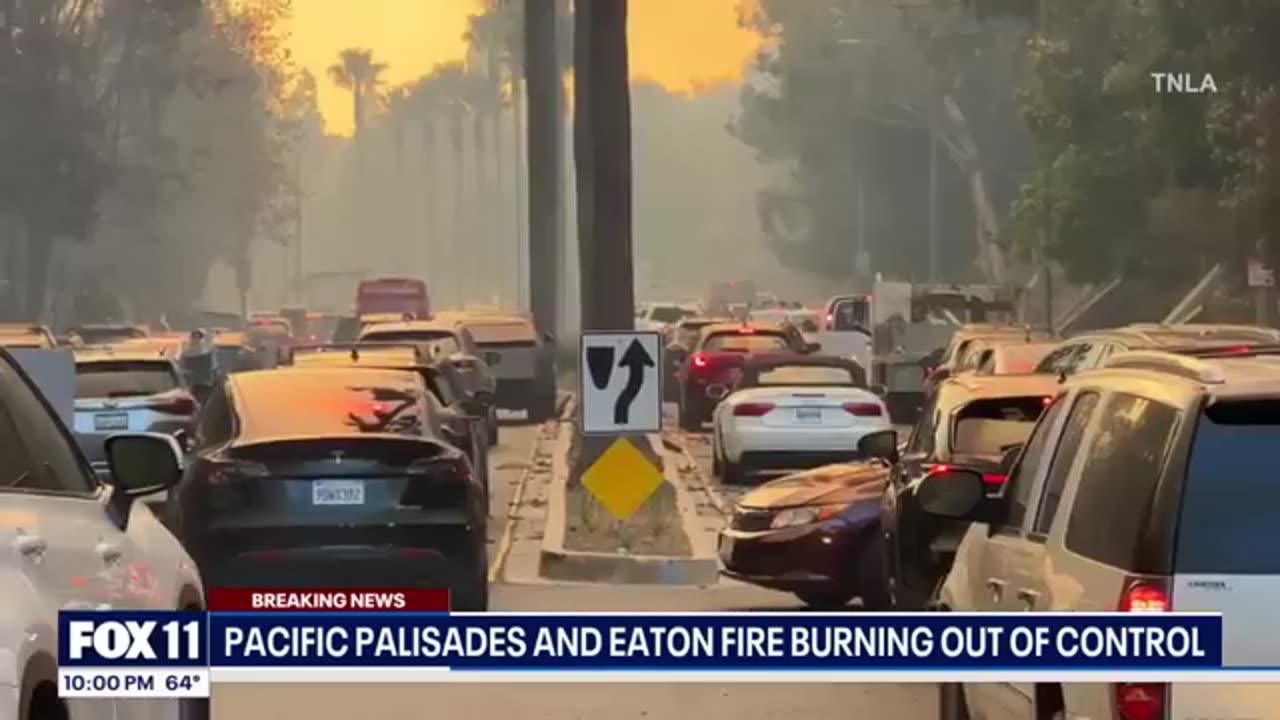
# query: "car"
461, 411
521, 360
107, 334
270, 338
1147, 486
680, 339
1091, 349
1004, 356
122, 390
943, 363
26, 335
232, 352
657, 316
323, 477
713, 366
795, 534
790, 413
972, 422
449, 343
72, 542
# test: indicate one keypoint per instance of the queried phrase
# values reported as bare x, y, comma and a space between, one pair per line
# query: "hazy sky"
679, 43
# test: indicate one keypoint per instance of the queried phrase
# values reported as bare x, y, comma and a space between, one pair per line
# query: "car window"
439, 386
851, 315
18, 469
806, 375
1231, 502
988, 364
1122, 464
923, 434
1063, 458
745, 343
117, 379
216, 425
1064, 359
52, 463
985, 427
1018, 487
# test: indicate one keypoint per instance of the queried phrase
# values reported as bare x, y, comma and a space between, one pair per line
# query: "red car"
713, 367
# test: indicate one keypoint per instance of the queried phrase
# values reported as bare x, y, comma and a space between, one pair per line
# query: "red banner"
325, 600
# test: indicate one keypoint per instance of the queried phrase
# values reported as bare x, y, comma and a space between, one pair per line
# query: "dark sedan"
331, 477
799, 533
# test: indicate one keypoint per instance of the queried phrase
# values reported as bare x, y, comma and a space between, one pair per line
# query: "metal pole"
861, 252
522, 297
934, 250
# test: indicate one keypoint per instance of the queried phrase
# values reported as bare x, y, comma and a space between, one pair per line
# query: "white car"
71, 542
658, 316
794, 413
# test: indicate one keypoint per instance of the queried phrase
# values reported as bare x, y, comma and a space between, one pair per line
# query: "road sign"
621, 389
622, 478
1260, 275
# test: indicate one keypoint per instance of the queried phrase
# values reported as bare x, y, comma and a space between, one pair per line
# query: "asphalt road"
597, 701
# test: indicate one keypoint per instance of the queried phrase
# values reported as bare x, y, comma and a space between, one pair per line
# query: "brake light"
234, 471
1140, 701
752, 409
937, 469
863, 409
747, 331
700, 360
1044, 401
994, 478
1144, 597
178, 405
1237, 350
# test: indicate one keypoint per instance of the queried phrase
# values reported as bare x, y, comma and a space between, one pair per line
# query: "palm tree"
454, 97
356, 71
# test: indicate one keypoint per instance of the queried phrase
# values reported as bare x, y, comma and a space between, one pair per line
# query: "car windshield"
745, 342
331, 402
806, 375
113, 379
984, 428
1021, 358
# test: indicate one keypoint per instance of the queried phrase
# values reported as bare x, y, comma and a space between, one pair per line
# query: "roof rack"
1192, 368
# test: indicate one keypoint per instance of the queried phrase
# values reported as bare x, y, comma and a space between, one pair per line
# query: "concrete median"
696, 566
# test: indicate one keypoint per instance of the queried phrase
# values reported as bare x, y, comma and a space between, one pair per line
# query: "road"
597, 701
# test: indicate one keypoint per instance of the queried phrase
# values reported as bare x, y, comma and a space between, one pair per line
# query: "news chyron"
133, 654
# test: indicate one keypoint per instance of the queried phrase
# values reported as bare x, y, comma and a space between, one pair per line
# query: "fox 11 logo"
132, 654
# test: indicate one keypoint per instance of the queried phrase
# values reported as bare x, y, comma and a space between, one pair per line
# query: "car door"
992, 561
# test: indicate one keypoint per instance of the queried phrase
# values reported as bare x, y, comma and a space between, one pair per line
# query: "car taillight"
752, 409
235, 471
700, 361
994, 478
1144, 597
1140, 701
178, 405
862, 409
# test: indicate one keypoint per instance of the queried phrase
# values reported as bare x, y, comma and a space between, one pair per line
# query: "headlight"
793, 517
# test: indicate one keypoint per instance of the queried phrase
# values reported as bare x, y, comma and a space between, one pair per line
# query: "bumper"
839, 443
792, 559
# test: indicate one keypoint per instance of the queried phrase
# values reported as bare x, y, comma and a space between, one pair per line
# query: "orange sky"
679, 43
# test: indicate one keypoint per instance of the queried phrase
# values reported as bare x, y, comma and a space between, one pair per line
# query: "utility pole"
299, 284
543, 95
934, 249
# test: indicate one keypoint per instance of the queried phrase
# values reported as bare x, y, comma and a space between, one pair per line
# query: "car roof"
1191, 334
303, 376
410, 326
405, 356
1226, 373
996, 386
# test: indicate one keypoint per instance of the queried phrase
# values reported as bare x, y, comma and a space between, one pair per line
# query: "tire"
951, 702
194, 709
733, 473
869, 571
825, 599
471, 595
690, 416
717, 464
493, 427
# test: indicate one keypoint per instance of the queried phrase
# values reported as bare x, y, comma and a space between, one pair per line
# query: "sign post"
620, 397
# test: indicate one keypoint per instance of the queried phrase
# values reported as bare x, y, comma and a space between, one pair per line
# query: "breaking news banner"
284, 635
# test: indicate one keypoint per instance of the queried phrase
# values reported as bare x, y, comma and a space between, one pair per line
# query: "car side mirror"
879, 390
881, 445
143, 463
483, 397
955, 494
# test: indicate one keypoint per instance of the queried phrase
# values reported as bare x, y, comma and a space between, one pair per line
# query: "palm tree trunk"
431, 224
459, 213
499, 200
521, 253
479, 191
544, 148
357, 108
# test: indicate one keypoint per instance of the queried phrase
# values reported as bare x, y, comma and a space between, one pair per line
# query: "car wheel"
493, 427
951, 702
825, 599
471, 595
717, 463
733, 473
194, 709
690, 416
869, 572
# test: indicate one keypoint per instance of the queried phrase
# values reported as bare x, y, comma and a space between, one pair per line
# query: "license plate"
726, 549
337, 492
809, 416
112, 421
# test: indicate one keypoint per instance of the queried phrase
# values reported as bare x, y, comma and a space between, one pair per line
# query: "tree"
356, 71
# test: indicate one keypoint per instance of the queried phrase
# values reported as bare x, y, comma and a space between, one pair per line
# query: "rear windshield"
497, 333
442, 342
124, 379
669, 314
1231, 501
304, 402
1021, 359
985, 427
745, 343
102, 336
806, 375
851, 315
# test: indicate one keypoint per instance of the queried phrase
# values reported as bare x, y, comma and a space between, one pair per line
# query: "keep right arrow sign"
624, 394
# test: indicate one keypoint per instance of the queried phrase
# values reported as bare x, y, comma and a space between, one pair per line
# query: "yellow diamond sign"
622, 478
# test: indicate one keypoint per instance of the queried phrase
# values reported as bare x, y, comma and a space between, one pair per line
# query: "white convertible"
794, 413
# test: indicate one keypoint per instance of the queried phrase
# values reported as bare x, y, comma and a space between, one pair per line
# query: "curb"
557, 563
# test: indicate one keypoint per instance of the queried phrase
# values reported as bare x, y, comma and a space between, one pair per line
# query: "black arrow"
637, 359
